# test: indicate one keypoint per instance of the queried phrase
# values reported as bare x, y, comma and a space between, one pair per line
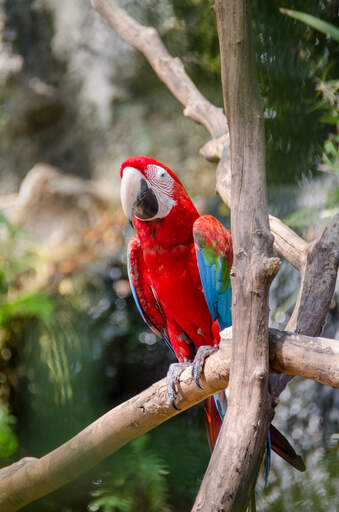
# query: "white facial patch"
162, 185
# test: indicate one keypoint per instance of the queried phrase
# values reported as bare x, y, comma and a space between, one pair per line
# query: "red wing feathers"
142, 290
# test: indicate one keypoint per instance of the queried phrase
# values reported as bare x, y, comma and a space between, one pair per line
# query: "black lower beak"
146, 204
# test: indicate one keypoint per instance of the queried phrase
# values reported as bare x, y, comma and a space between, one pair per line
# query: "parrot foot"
203, 352
172, 378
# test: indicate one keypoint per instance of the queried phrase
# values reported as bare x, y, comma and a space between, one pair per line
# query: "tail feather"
276, 440
213, 421
283, 448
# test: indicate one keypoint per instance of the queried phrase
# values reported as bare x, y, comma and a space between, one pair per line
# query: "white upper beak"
130, 186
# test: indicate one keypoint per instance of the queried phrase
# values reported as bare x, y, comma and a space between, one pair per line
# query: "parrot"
179, 265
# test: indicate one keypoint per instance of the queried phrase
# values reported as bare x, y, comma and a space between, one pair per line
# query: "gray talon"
172, 378
199, 361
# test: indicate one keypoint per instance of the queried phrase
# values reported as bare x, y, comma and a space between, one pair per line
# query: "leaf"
33, 304
309, 216
13, 230
329, 120
8, 440
318, 24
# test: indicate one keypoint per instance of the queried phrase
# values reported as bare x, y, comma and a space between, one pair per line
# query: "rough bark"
235, 462
30, 478
319, 275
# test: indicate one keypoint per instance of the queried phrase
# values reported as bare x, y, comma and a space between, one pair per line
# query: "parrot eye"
162, 175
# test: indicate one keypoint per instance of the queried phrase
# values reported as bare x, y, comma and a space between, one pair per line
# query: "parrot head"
149, 189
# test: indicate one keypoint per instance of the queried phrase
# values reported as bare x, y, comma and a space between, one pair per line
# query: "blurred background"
75, 101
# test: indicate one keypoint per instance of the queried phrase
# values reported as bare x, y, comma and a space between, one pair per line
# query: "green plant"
137, 481
312, 21
8, 440
328, 102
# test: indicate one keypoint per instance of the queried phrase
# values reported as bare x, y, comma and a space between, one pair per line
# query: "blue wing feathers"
135, 297
214, 269
218, 295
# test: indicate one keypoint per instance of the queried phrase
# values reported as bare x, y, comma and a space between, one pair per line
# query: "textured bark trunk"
235, 462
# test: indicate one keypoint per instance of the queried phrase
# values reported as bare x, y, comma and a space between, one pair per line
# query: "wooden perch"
171, 72
305, 351
29, 479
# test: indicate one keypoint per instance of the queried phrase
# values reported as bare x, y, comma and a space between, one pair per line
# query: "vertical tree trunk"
235, 462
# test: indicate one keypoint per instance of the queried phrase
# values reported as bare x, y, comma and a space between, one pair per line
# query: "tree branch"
170, 70
172, 73
288, 244
318, 281
30, 478
235, 461
105, 436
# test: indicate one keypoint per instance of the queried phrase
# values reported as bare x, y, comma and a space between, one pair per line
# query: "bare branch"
318, 282
287, 243
171, 71
105, 436
235, 461
318, 358
30, 478
319, 276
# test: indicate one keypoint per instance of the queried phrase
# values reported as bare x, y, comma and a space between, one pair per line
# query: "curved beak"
137, 197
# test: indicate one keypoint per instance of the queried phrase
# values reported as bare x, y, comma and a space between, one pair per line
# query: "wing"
142, 292
213, 245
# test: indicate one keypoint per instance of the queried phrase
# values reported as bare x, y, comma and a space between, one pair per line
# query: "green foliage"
29, 305
328, 104
289, 58
331, 155
137, 481
316, 214
316, 490
13, 230
8, 440
15, 262
318, 24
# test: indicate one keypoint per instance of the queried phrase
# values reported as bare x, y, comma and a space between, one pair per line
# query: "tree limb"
105, 436
318, 281
170, 70
235, 461
30, 478
172, 73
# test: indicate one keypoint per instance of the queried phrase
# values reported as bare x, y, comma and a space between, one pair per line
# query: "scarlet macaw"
179, 270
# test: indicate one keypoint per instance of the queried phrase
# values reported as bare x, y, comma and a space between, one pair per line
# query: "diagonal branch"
30, 478
319, 275
318, 281
171, 72
105, 436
